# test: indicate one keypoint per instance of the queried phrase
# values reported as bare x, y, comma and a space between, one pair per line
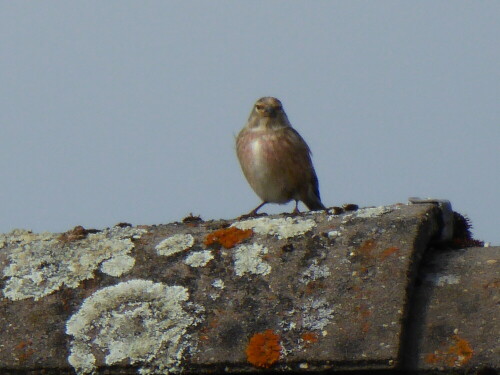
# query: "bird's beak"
269, 111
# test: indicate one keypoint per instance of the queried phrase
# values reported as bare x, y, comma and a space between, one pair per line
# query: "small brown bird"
275, 159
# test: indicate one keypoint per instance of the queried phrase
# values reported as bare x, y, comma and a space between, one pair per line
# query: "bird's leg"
253, 213
296, 209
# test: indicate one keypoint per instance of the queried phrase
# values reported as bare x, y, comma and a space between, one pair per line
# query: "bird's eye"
259, 106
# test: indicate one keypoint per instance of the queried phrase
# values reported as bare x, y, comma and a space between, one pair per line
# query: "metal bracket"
446, 215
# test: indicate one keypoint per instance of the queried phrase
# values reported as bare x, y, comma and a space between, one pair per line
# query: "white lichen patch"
333, 234
248, 259
315, 272
282, 227
373, 211
218, 283
442, 280
288, 325
175, 244
316, 314
138, 321
42, 263
199, 258
118, 265
448, 280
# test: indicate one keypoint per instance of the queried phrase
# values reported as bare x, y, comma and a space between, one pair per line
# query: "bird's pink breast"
267, 159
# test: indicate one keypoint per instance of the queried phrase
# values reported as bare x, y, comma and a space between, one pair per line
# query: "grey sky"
127, 111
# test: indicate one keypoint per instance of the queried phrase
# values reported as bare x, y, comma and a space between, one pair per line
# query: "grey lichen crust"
41, 263
282, 227
248, 259
199, 258
175, 244
135, 321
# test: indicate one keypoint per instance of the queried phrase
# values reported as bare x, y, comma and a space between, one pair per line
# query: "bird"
275, 159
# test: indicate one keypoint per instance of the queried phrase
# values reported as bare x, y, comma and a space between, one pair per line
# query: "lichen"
373, 211
227, 237
309, 337
248, 259
282, 227
388, 252
218, 283
264, 349
316, 314
315, 272
175, 244
456, 355
333, 234
442, 280
199, 258
118, 265
41, 263
139, 321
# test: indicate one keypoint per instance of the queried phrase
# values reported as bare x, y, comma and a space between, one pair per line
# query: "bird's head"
268, 113
268, 107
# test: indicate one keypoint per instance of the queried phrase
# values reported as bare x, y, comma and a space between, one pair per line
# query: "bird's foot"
253, 213
295, 212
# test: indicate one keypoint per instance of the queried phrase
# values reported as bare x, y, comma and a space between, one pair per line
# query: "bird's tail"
313, 200
314, 204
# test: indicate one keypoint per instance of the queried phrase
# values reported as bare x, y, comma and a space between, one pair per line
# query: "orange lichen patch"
364, 312
227, 237
364, 252
309, 337
365, 327
367, 246
264, 349
23, 351
456, 355
23, 357
388, 252
23, 344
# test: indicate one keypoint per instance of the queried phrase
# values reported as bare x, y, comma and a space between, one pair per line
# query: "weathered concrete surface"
314, 292
460, 300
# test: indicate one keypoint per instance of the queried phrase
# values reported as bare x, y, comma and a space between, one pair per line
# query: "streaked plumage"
275, 159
